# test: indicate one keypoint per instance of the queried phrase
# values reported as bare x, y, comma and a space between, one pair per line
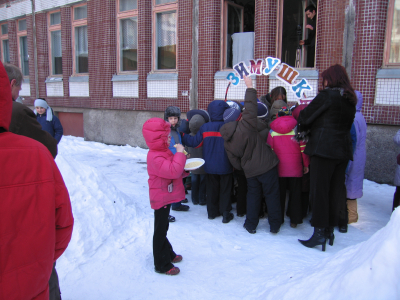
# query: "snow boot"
227, 218
352, 210
318, 238
178, 258
171, 218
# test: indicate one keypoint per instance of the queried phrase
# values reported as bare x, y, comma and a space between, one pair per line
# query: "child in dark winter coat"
49, 122
196, 119
248, 151
293, 163
217, 166
166, 172
172, 115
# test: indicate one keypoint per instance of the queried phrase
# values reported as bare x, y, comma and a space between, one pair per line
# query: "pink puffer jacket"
163, 167
291, 154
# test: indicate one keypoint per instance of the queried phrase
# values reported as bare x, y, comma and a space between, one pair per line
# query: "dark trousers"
219, 189
241, 193
293, 184
54, 286
305, 193
327, 190
267, 184
396, 198
162, 250
198, 188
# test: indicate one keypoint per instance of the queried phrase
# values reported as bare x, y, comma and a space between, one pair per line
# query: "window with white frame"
5, 50
127, 17
80, 39
164, 40
392, 45
23, 47
237, 30
55, 43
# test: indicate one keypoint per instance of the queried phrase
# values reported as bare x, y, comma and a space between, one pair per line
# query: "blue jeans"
198, 188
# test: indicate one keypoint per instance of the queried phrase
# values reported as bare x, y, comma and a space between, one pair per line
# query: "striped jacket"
291, 154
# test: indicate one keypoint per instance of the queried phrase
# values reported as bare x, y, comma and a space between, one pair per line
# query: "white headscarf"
43, 103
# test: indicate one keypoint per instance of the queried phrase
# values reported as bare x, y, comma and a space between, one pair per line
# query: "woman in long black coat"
328, 119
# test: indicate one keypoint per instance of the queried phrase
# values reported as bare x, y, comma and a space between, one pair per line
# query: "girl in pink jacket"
166, 171
293, 163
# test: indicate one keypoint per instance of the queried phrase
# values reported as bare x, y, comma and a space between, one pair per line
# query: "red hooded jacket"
163, 167
291, 154
35, 210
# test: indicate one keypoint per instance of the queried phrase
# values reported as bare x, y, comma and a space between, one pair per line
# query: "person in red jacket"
166, 172
35, 210
293, 163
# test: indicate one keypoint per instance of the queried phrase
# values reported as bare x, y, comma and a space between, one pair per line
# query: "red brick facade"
370, 26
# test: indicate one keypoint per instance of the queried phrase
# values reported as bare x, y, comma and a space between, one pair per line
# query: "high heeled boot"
329, 234
318, 238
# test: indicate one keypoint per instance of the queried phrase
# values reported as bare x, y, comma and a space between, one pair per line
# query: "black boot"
329, 234
318, 238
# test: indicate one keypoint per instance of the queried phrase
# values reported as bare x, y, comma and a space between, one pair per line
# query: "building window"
55, 43
295, 26
127, 19
237, 29
165, 20
23, 47
5, 50
392, 50
80, 39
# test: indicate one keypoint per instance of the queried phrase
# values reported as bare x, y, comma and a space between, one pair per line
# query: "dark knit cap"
262, 110
231, 115
284, 111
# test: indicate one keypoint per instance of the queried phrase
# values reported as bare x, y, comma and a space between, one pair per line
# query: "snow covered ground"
110, 254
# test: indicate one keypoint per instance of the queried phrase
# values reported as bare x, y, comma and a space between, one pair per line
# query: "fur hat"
172, 111
262, 110
232, 114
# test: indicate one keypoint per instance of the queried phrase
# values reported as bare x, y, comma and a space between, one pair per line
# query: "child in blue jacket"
49, 122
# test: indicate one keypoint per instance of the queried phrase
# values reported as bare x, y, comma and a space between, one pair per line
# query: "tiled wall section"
273, 83
55, 89
79, 89
162, 89
126, 89
265, 37
388, 92
234, 92
330, 30
25, 90
369, 45
209, 49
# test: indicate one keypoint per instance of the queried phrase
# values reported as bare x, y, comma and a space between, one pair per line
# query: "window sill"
388, 73
162, 76
125, 77
79, 79
53, 79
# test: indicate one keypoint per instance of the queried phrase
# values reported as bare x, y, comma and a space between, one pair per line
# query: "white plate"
190, 160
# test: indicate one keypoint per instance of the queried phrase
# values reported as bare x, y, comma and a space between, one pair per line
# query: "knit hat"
43, 103
284, 111
232, 114
262, 110
233, 104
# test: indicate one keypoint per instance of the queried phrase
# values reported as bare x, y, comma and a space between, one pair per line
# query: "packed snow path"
110, 254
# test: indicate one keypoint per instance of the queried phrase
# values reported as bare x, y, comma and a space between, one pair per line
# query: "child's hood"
216, 110
155, 132
283, 124
195, 123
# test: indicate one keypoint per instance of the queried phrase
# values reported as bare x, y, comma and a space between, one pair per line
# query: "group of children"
248, 143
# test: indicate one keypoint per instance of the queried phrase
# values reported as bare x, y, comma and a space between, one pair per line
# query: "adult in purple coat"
355, 173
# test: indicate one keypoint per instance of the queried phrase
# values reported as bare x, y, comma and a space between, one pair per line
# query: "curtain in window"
6, 51
166, 40
81, 49
128, 45
24, 55
56, 53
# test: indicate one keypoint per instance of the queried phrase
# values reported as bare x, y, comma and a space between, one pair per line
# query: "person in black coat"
327, 122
